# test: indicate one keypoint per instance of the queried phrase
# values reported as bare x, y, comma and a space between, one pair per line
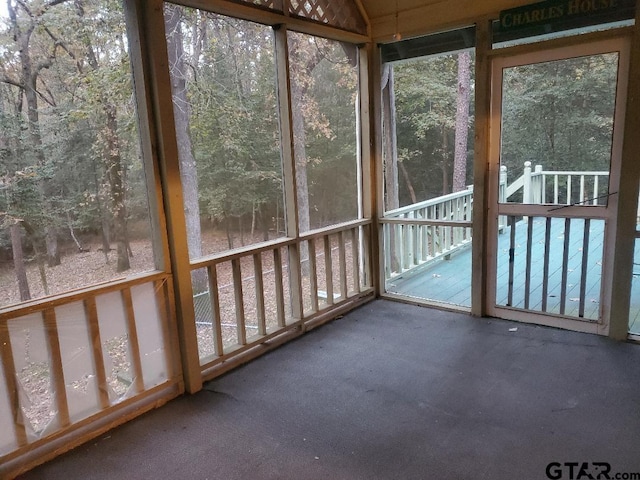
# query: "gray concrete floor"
391, 391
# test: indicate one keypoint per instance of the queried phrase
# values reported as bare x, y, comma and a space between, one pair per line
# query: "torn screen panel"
116, 348
77, 361
7, 436
33, 373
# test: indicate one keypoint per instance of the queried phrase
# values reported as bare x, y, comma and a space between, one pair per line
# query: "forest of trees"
72, 180
226, 113
71, 174
70, 166
556, 114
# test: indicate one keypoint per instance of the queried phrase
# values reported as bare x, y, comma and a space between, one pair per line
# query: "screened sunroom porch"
188, 186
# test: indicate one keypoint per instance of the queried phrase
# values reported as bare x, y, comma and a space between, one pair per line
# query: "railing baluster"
295, 281
388, 254
543, 193
512, 255
415, 243
365, 258
239, 300
57, 371
596, 187
565, 266
134, 344
328, 269
259, 282
430, 232
582, 197
214, 298
527, 278
569, 192
398, 231
406, 235
545, 268
313, 279
585, 259
435, 241
356, 259
555, 189
91, 312
277, 266
10, 379
343, 266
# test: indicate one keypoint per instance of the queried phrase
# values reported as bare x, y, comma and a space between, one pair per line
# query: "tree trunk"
51, 241
407, 179
445, 162
35, 242
462, 123
18, 263
116, 187
390, 152
28, 80
389, 136
181, 115
300, 154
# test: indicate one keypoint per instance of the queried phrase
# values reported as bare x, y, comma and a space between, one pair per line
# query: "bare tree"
462, 122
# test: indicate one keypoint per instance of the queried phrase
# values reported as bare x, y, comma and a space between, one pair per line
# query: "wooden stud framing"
91, 313
480, 258
57, 369
286, 131
627, 198
12, 385
134, 344
153, 86
277, 266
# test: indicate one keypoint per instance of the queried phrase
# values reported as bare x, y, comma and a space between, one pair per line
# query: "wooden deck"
449, 280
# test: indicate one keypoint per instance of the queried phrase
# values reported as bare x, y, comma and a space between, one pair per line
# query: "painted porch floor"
449, 281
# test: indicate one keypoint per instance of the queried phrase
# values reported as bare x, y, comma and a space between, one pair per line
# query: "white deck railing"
419, 234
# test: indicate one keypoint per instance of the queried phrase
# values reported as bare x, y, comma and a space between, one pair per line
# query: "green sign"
565, 13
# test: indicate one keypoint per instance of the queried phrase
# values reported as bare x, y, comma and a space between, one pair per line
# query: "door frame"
557, 49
